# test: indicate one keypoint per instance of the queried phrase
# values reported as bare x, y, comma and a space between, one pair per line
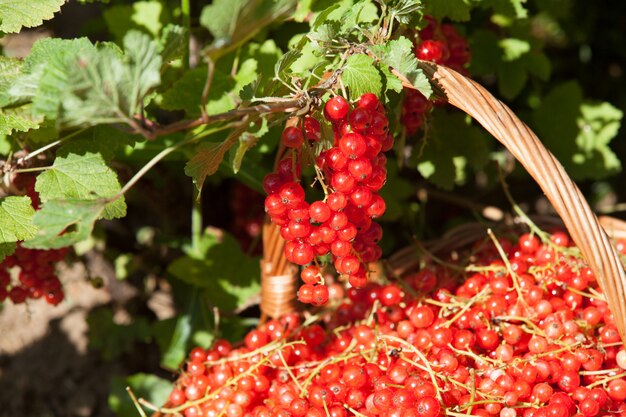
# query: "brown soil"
46, 368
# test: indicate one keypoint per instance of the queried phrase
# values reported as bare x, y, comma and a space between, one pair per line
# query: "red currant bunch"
353, 171
31, 274
442, 44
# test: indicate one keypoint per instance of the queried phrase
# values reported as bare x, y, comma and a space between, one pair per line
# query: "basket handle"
568, 201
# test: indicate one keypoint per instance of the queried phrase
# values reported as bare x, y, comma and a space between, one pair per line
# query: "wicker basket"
278, 291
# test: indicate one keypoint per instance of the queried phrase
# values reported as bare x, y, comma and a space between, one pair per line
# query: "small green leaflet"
15, 14
82, 177
64, 222
398, 54
16, 224
247, 141
361, 76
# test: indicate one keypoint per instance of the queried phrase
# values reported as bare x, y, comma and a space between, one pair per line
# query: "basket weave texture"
279, 278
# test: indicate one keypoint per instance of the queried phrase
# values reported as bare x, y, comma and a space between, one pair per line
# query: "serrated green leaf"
398, 54
62, 223
285, 62
172, 43
405, 11
45, 77
18, 119
361, 76
227, 274
323, 16
81, 177
109, 88
16, 214
325, 34
145, 16
513, 48
453, 9
10, 70
15, 14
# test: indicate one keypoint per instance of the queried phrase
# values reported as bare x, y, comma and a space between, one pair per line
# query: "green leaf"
246, 142
174, 347
103, 140
7, 249
10, 70
510, 59
398, 54
46, 73
16, 223
144, 16
454, 145
228, 276
513, 48
282, 67
172, 43
186, 93
325, 34
207, 160
150, 387
18, 119
64, 222
231, 22
81, 177
15, 14
453, 9
361, 76
579, 133
405, 11
109, 88
512, 78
